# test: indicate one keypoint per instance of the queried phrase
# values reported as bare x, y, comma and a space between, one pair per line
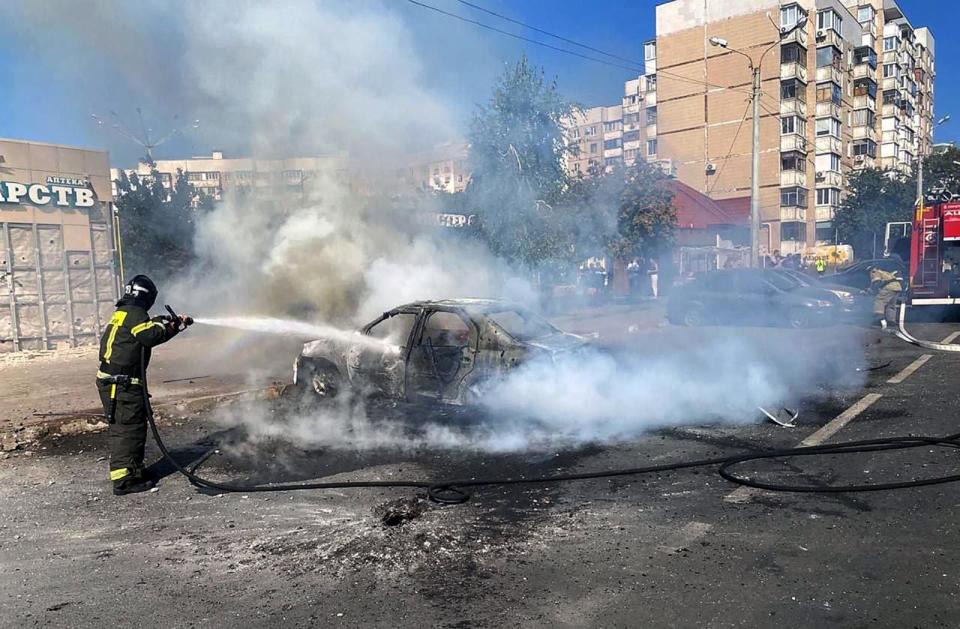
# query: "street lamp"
755, 169
920, 171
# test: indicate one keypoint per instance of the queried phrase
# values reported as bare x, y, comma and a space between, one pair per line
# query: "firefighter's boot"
133, 485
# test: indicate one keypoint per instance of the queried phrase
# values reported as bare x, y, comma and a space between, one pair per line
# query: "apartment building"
215, 174
597, 133
442, 168
851, 87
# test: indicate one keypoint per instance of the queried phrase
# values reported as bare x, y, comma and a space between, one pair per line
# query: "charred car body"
431, 351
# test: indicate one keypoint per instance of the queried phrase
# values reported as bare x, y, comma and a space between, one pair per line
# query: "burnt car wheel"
800, 318
322, 379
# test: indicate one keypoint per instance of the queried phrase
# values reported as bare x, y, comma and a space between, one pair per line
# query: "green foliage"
646, 219
517, 153
875, 198
940, 170
156, 224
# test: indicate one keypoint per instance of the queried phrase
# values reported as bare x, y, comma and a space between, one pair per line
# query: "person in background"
653, 272
820, 264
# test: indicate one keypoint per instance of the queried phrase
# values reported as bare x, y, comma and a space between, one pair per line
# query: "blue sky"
55, 80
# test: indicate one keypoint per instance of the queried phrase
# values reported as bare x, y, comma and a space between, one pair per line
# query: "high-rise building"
851, 87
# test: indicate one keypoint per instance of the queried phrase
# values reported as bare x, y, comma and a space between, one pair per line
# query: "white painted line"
691, 532
841, 420
909, 369
744, 493
950, 338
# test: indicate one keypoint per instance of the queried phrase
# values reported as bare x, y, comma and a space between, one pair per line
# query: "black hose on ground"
454, 491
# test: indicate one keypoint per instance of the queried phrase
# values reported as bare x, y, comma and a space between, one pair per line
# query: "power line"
726, 158
522, 38
548, 33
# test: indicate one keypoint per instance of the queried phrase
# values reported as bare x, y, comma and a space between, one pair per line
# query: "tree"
157, 224
646, 219
875, 197
517, 153
941, 171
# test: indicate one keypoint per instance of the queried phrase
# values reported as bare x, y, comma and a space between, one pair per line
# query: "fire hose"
901, 333
454, 491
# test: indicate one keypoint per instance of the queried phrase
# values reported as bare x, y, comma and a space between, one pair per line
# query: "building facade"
58, 283
851, 87
216, 174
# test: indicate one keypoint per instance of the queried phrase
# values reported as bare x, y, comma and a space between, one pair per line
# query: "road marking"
744, 493
950, 338
691, 532
909, 369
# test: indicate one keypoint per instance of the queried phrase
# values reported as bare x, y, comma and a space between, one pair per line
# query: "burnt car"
858, 275
750, 296
431, 351
854, 304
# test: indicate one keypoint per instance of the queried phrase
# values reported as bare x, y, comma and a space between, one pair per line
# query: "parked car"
853, 303
431, 351
857, 275
750, 296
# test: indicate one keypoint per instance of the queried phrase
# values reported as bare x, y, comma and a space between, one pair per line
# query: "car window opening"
522, 325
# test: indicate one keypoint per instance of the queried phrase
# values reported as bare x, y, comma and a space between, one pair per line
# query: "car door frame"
450, 393
376, 367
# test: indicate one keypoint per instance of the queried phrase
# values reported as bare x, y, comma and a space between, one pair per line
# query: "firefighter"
820, 265
130, 332
886, 287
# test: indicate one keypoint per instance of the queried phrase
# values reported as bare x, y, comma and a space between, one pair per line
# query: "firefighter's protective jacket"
130, 330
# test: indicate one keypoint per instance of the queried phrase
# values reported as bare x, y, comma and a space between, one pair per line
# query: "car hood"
560, 342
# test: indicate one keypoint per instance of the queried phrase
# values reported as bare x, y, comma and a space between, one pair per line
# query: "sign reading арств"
59, 191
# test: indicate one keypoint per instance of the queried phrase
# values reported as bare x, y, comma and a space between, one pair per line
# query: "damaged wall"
57, 278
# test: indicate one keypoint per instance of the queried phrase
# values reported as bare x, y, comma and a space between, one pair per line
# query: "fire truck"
935, 255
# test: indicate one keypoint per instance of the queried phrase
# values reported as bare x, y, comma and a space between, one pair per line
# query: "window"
649, 50
793, 88
651, 147
865, 56
828, 196
828, 161
864, 14
631, 136
828, 126
651, 115
394, 329
590, 131
826, 232
829, 56
793, 124
194, 176
793, 197
593, 147
889, 70
612, 144
830, 19
293, 176
611, 161
863, 117
793, 231
890, 43
652, 83
793, 53
793, 160
633, 118
790, 15
630, 154
522, 325
829, 93
865, 87
613, 125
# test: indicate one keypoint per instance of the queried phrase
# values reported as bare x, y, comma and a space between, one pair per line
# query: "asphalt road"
684, 549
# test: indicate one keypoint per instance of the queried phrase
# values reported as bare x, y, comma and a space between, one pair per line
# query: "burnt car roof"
475, 305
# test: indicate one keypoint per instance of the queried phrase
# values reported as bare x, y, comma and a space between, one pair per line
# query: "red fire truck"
935, 255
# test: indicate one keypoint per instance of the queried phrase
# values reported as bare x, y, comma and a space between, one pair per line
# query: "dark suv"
750, 297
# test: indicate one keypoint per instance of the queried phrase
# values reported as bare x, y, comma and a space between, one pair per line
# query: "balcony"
829, 144
792, 178
864, 161
891, 110
891, 56
864, 132
825, 212
793, 71
864, 71
798, 35
865, 102
651, 130
829, 73
793, 142
888, 137
650, 98
793, 106
868, 39
889, 83
829, 37
796, 214
828, 109
828, 179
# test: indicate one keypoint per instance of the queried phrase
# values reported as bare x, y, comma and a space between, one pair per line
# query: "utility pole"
755, 166
755, 175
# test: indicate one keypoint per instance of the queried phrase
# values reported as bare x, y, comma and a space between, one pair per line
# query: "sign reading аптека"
59, 191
